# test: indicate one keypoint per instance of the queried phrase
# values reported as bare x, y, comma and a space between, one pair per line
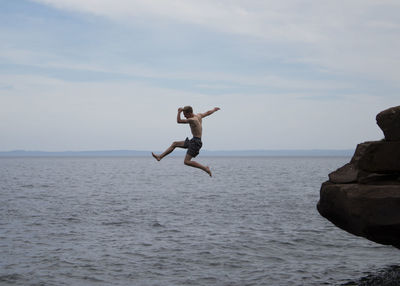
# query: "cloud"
50, 113
111, 74
53, 114
357, 36
222, 81
266, 20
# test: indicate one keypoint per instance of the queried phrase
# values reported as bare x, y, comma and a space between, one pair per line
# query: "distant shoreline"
135, 153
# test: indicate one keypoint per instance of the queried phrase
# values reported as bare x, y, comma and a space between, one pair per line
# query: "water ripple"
134, 221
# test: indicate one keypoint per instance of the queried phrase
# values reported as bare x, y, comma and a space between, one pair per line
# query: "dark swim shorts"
193, 145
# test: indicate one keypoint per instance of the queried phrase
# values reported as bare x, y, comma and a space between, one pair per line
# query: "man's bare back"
193, 145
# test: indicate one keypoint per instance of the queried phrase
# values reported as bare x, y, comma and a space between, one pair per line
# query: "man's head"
188, 111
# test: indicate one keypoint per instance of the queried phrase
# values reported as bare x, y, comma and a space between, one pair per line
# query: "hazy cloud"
348, 36
78, 75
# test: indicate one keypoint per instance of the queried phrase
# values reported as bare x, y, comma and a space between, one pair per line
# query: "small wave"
10, 277
386, 277
31, 186
28, 186
169, 231
45, 186
92, 279
157, 224
72, 219
116, 223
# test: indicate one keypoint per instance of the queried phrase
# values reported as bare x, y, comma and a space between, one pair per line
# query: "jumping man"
193, 145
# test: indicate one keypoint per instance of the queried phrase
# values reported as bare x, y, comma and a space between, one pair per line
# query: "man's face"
187, 114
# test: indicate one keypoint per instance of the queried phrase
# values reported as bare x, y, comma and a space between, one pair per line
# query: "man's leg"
169, 149
188, 161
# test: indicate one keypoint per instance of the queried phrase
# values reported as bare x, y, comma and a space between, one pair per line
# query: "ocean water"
136, 221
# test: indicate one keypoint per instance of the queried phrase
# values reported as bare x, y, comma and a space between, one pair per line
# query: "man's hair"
188, 109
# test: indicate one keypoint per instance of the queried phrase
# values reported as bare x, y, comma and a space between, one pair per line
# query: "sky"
111, 74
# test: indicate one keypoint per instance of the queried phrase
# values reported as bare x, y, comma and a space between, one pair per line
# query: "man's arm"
178, 117
207, 113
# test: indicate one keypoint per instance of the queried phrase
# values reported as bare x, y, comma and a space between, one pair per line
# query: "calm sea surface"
136, 221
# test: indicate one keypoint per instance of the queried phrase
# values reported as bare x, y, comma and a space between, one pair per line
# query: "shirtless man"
193, 145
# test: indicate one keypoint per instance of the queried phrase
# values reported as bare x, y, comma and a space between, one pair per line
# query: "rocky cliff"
363, 196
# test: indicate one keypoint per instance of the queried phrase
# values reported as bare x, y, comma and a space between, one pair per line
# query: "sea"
136, 221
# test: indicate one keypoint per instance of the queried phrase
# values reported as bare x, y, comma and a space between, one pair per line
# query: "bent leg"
169, 150
188, 161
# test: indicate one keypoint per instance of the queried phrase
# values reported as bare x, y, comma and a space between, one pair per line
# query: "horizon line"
127, 152
208, 150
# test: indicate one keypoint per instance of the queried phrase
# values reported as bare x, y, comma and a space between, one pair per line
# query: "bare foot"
156, 156
208, 171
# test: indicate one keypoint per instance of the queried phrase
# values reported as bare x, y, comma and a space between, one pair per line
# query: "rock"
389, 121
363, 196
379, 157
375, 178
371, 211
346, 174
369, 157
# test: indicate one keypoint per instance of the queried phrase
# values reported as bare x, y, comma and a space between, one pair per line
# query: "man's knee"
187, 161
174, 144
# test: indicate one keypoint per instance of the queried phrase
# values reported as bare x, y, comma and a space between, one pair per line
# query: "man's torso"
196, 125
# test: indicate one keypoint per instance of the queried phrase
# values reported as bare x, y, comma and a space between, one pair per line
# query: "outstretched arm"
207, 113
178, 117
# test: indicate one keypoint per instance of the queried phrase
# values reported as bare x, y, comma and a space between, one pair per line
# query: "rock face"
363, 196
389, 121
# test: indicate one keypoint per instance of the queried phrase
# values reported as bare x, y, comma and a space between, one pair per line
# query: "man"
193, 145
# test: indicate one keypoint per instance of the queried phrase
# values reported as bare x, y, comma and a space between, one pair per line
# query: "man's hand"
180, 109
216, 108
